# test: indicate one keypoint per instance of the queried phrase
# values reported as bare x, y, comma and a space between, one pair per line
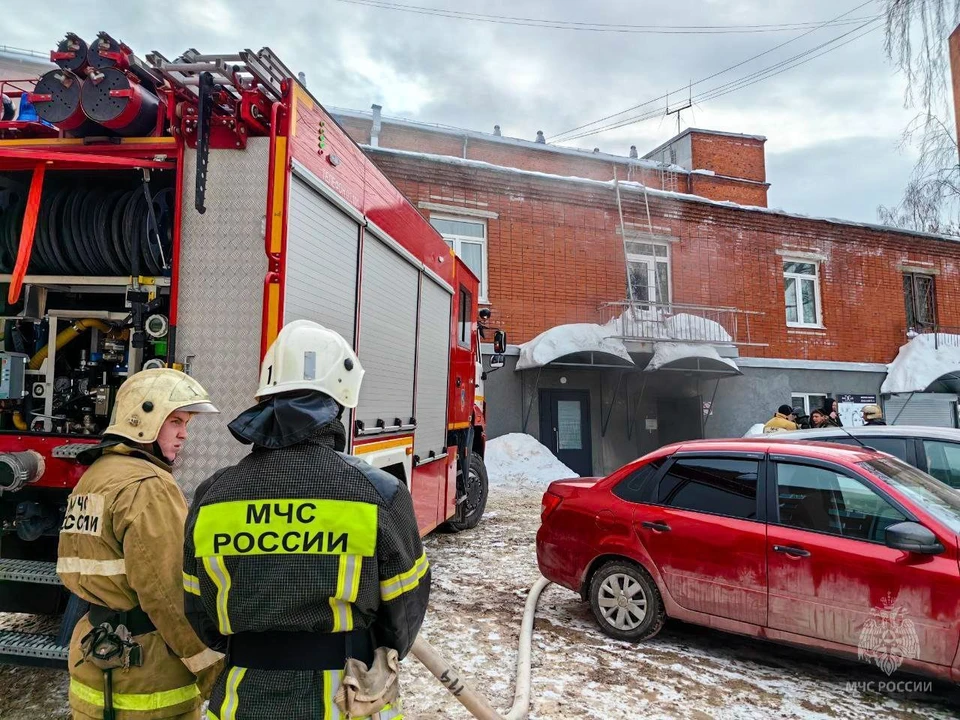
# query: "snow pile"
665, 353
655, 323
919, 364
568, 339
519, 461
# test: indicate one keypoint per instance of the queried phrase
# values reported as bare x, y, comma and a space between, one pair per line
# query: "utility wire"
747, 80
602, 27
560, 136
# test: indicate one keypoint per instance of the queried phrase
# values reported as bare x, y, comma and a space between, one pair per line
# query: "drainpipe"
464, 147
375, 128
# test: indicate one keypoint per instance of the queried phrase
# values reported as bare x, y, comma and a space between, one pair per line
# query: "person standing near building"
300, 561
782, 420
134, 656
873, 415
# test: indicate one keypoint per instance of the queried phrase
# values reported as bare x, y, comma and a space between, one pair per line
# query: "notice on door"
850, 408
569, 425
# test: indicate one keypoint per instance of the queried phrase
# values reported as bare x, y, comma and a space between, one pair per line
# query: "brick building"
729, 309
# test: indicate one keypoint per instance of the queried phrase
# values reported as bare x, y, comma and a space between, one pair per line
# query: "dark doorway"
565, 428
679, 419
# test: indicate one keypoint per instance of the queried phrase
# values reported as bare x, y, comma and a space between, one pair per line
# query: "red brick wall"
715, 187
954, 45
413, 139
555, 255
735, 157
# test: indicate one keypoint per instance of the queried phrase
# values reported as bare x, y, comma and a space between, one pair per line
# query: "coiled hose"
477, 704
89, 229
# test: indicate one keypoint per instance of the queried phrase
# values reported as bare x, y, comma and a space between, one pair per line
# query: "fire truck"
178, 213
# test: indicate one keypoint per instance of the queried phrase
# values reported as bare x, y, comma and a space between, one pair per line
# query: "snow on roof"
639, 188
668, 353
518, 460
919, 363
563, 340
518, 142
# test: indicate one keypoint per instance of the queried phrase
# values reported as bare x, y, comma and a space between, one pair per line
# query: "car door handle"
657, 526
791, 551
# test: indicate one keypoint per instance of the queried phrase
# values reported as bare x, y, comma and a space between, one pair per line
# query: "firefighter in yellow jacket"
134, 656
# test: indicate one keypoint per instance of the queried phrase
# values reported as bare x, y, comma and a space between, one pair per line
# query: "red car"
845, 550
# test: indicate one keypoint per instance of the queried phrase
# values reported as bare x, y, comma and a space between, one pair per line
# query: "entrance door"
679, 419
565, 428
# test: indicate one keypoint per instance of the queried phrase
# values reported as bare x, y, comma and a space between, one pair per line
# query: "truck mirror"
496, 362
499, 342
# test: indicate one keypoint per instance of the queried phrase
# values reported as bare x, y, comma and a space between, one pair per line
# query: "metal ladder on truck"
27, 648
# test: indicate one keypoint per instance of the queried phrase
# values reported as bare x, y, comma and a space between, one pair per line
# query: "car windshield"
938, 499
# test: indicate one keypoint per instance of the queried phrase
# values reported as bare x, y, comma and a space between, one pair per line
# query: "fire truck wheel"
76, 609
471, 509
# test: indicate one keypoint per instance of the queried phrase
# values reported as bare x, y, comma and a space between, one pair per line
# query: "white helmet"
308, 356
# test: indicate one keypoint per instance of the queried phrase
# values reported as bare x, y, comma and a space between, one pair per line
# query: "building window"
808, 401
801, 284
649, 266
920, 297
468, 238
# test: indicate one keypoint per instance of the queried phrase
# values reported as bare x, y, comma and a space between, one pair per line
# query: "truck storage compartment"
90, 223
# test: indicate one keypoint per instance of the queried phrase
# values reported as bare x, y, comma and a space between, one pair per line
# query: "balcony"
675, 322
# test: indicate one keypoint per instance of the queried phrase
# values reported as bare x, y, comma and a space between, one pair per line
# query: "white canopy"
563, 340
689, 356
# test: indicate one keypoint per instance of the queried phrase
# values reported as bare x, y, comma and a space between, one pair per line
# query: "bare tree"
916, 40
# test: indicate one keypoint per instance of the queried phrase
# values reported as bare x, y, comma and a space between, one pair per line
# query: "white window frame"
805, 400
798, 278
632, 257
456, 240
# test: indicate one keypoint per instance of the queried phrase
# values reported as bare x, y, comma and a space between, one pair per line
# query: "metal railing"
677, 322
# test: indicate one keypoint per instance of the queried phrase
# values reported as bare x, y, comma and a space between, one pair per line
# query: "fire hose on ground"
477, 704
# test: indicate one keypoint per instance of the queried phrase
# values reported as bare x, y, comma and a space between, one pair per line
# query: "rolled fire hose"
64, 337
477, 704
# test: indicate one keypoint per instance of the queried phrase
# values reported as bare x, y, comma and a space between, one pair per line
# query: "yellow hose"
64, 338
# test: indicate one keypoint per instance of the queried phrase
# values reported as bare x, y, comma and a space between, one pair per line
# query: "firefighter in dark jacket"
300, 557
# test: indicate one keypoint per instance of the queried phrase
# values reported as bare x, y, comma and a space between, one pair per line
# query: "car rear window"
636, 486
719, 486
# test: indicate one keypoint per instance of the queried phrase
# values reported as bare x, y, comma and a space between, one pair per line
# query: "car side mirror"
499, 342
497, 362
913, 537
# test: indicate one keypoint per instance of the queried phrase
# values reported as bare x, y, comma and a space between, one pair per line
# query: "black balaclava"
284, 420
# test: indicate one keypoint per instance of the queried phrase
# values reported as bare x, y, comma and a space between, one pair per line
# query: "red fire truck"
178, 213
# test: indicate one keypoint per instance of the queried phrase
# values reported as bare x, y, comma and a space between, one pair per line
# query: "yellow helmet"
872, 412
148, 398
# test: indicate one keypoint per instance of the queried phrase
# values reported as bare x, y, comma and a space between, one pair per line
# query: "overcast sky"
833, 124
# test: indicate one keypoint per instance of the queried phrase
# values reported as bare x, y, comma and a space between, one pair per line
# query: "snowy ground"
480, 580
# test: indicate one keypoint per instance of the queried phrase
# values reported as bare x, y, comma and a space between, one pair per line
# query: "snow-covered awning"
574, 339
690, 358
922, 362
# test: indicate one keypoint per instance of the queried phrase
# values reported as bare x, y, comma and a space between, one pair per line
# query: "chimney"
375, 129
540, 138
633, 152
302, 77
496, 130
954, 43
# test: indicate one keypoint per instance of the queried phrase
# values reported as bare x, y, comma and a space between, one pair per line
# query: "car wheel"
626, 602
